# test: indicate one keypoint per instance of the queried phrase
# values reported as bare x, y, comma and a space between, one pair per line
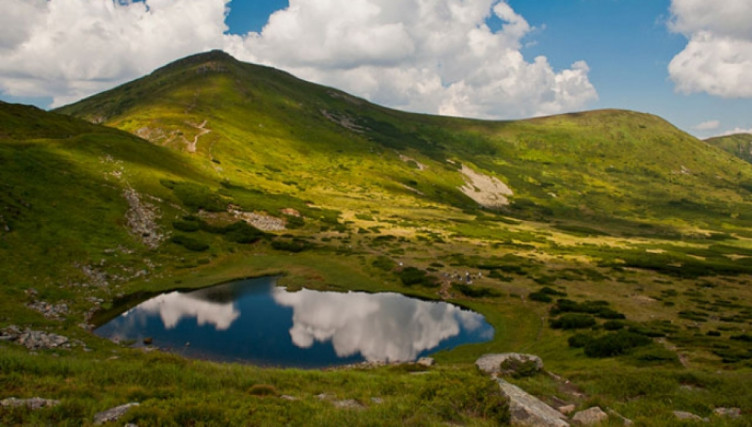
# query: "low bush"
613, 325
186, 226
295, 245
242, 232
189, 243
615, 344
579, 340
540, 297
197, 197
475, 291
573, 321
413, 276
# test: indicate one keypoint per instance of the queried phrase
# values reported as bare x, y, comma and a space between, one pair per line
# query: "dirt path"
202, 130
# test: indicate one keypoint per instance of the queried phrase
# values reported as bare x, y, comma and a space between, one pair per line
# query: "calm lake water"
255, 321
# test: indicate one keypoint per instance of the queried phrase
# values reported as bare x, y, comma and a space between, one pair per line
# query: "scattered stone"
590, 417
142, 219
290, 212
528, 410
491, 363
566, 409
426, 361
347, 404
34, 403
113, 414
687, 416
261, 221
288, 397
728, 412
377, 400
34, 340
50, 311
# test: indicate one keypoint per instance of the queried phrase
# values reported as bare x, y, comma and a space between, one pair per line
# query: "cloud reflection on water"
381, 327
175, 306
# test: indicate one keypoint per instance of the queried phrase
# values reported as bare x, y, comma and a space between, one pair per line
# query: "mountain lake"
254, 321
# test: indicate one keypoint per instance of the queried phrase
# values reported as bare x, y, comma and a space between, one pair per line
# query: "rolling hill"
740, 145
210, 169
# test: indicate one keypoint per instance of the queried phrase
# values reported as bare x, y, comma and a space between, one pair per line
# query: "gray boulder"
491, 363
528, 410
33, 403
687, 416
113, 414
728, 412
590, 417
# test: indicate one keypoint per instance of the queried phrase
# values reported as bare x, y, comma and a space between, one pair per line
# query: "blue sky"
627, 46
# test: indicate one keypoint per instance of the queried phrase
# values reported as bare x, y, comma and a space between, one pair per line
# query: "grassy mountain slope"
740, 145
635, 224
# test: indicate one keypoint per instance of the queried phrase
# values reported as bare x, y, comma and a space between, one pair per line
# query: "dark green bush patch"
242, 232
615, 344
579, 340
540, 297
186, 226
411, 276
294, 245
613, 325
573, 321
197, 197
189, 243
475, 291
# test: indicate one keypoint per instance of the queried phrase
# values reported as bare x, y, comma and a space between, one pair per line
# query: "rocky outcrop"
491, 363
142, 219
528, 410
34, 403
590, 417
728, 412
487, 191
113, 414
34, 340
260, 221
687, 416
50, 311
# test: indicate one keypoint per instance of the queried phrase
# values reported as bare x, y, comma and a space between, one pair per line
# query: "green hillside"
740, 145
614, 219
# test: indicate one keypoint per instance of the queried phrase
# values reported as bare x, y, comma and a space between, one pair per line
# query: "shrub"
186, 226
573, 321
412, 276
613, 325
293, 222
475, 291
197, 197
189, 243
579, 340
551, 291
540, 297
295, 245
242, 232
615, 344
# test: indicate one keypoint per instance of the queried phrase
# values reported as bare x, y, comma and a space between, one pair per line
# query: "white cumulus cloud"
708, 125
718, 57
429, 56
435, 56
